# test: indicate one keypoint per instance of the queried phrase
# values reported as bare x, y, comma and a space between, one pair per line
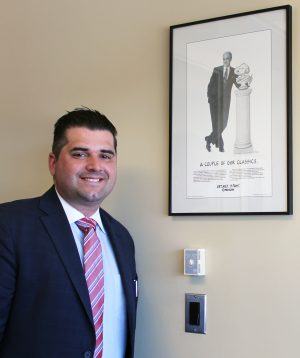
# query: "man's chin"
92, 198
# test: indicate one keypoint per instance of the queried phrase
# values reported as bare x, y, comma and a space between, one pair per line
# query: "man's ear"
52, 163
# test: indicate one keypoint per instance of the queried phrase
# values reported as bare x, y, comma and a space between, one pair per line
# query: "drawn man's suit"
219, 96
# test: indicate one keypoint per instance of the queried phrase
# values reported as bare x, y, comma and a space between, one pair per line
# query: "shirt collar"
73, 214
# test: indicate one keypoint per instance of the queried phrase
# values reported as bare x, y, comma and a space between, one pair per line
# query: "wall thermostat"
194, 262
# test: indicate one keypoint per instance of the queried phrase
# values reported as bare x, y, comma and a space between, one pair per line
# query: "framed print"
231, 115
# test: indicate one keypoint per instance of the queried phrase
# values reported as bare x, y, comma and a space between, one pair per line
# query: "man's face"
226, 59
86, 168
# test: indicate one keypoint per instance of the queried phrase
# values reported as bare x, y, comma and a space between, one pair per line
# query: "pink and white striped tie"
94, 275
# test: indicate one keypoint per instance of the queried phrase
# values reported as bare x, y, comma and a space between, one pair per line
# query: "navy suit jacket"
45, 310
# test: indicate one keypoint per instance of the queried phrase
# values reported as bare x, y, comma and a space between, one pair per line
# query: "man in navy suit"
219, 96
45, 308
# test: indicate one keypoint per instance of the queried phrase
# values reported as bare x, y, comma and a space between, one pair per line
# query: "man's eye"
79, 155
106, 156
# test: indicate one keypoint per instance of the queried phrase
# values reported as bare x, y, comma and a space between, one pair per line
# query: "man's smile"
92, 180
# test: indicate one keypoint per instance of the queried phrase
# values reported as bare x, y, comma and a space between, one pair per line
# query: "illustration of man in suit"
68, 282
219, 96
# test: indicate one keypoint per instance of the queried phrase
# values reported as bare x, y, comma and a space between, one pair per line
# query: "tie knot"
85, 224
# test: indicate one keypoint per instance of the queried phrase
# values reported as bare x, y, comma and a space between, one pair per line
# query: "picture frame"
230, 105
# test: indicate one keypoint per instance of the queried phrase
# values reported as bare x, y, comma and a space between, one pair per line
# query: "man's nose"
94, 163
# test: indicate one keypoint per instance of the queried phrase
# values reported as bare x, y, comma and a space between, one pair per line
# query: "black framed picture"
231, 115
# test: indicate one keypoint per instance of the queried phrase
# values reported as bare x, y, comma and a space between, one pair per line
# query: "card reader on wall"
194, 262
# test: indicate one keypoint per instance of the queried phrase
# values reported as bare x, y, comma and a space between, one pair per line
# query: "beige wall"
113, 56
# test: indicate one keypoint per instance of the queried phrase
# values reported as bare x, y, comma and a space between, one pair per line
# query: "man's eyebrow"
84, 149
107, 151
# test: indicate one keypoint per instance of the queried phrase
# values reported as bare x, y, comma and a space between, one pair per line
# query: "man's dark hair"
80, 117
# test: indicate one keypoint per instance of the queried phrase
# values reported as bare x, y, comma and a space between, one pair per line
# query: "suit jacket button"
88, 354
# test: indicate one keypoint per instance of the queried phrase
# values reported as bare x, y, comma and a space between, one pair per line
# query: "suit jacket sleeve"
212, 86
7, 275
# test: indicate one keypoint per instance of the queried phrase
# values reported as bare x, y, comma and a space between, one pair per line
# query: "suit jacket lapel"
116, 242
121, 255
59, 230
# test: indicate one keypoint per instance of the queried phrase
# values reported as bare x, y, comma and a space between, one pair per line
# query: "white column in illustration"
243, 133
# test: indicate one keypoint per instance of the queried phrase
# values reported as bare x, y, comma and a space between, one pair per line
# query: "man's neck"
83, 209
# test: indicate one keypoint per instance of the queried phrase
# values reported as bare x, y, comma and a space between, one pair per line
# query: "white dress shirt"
114, 319
226, 75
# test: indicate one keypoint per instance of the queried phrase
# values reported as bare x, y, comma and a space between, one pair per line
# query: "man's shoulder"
18, 214
20, 204
218, 69
39, 202
30, 205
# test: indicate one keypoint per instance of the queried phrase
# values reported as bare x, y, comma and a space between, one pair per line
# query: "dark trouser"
219, 111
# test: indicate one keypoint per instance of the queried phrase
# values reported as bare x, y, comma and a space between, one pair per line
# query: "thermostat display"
194, 262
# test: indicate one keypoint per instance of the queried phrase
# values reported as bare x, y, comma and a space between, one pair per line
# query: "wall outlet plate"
195, 313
